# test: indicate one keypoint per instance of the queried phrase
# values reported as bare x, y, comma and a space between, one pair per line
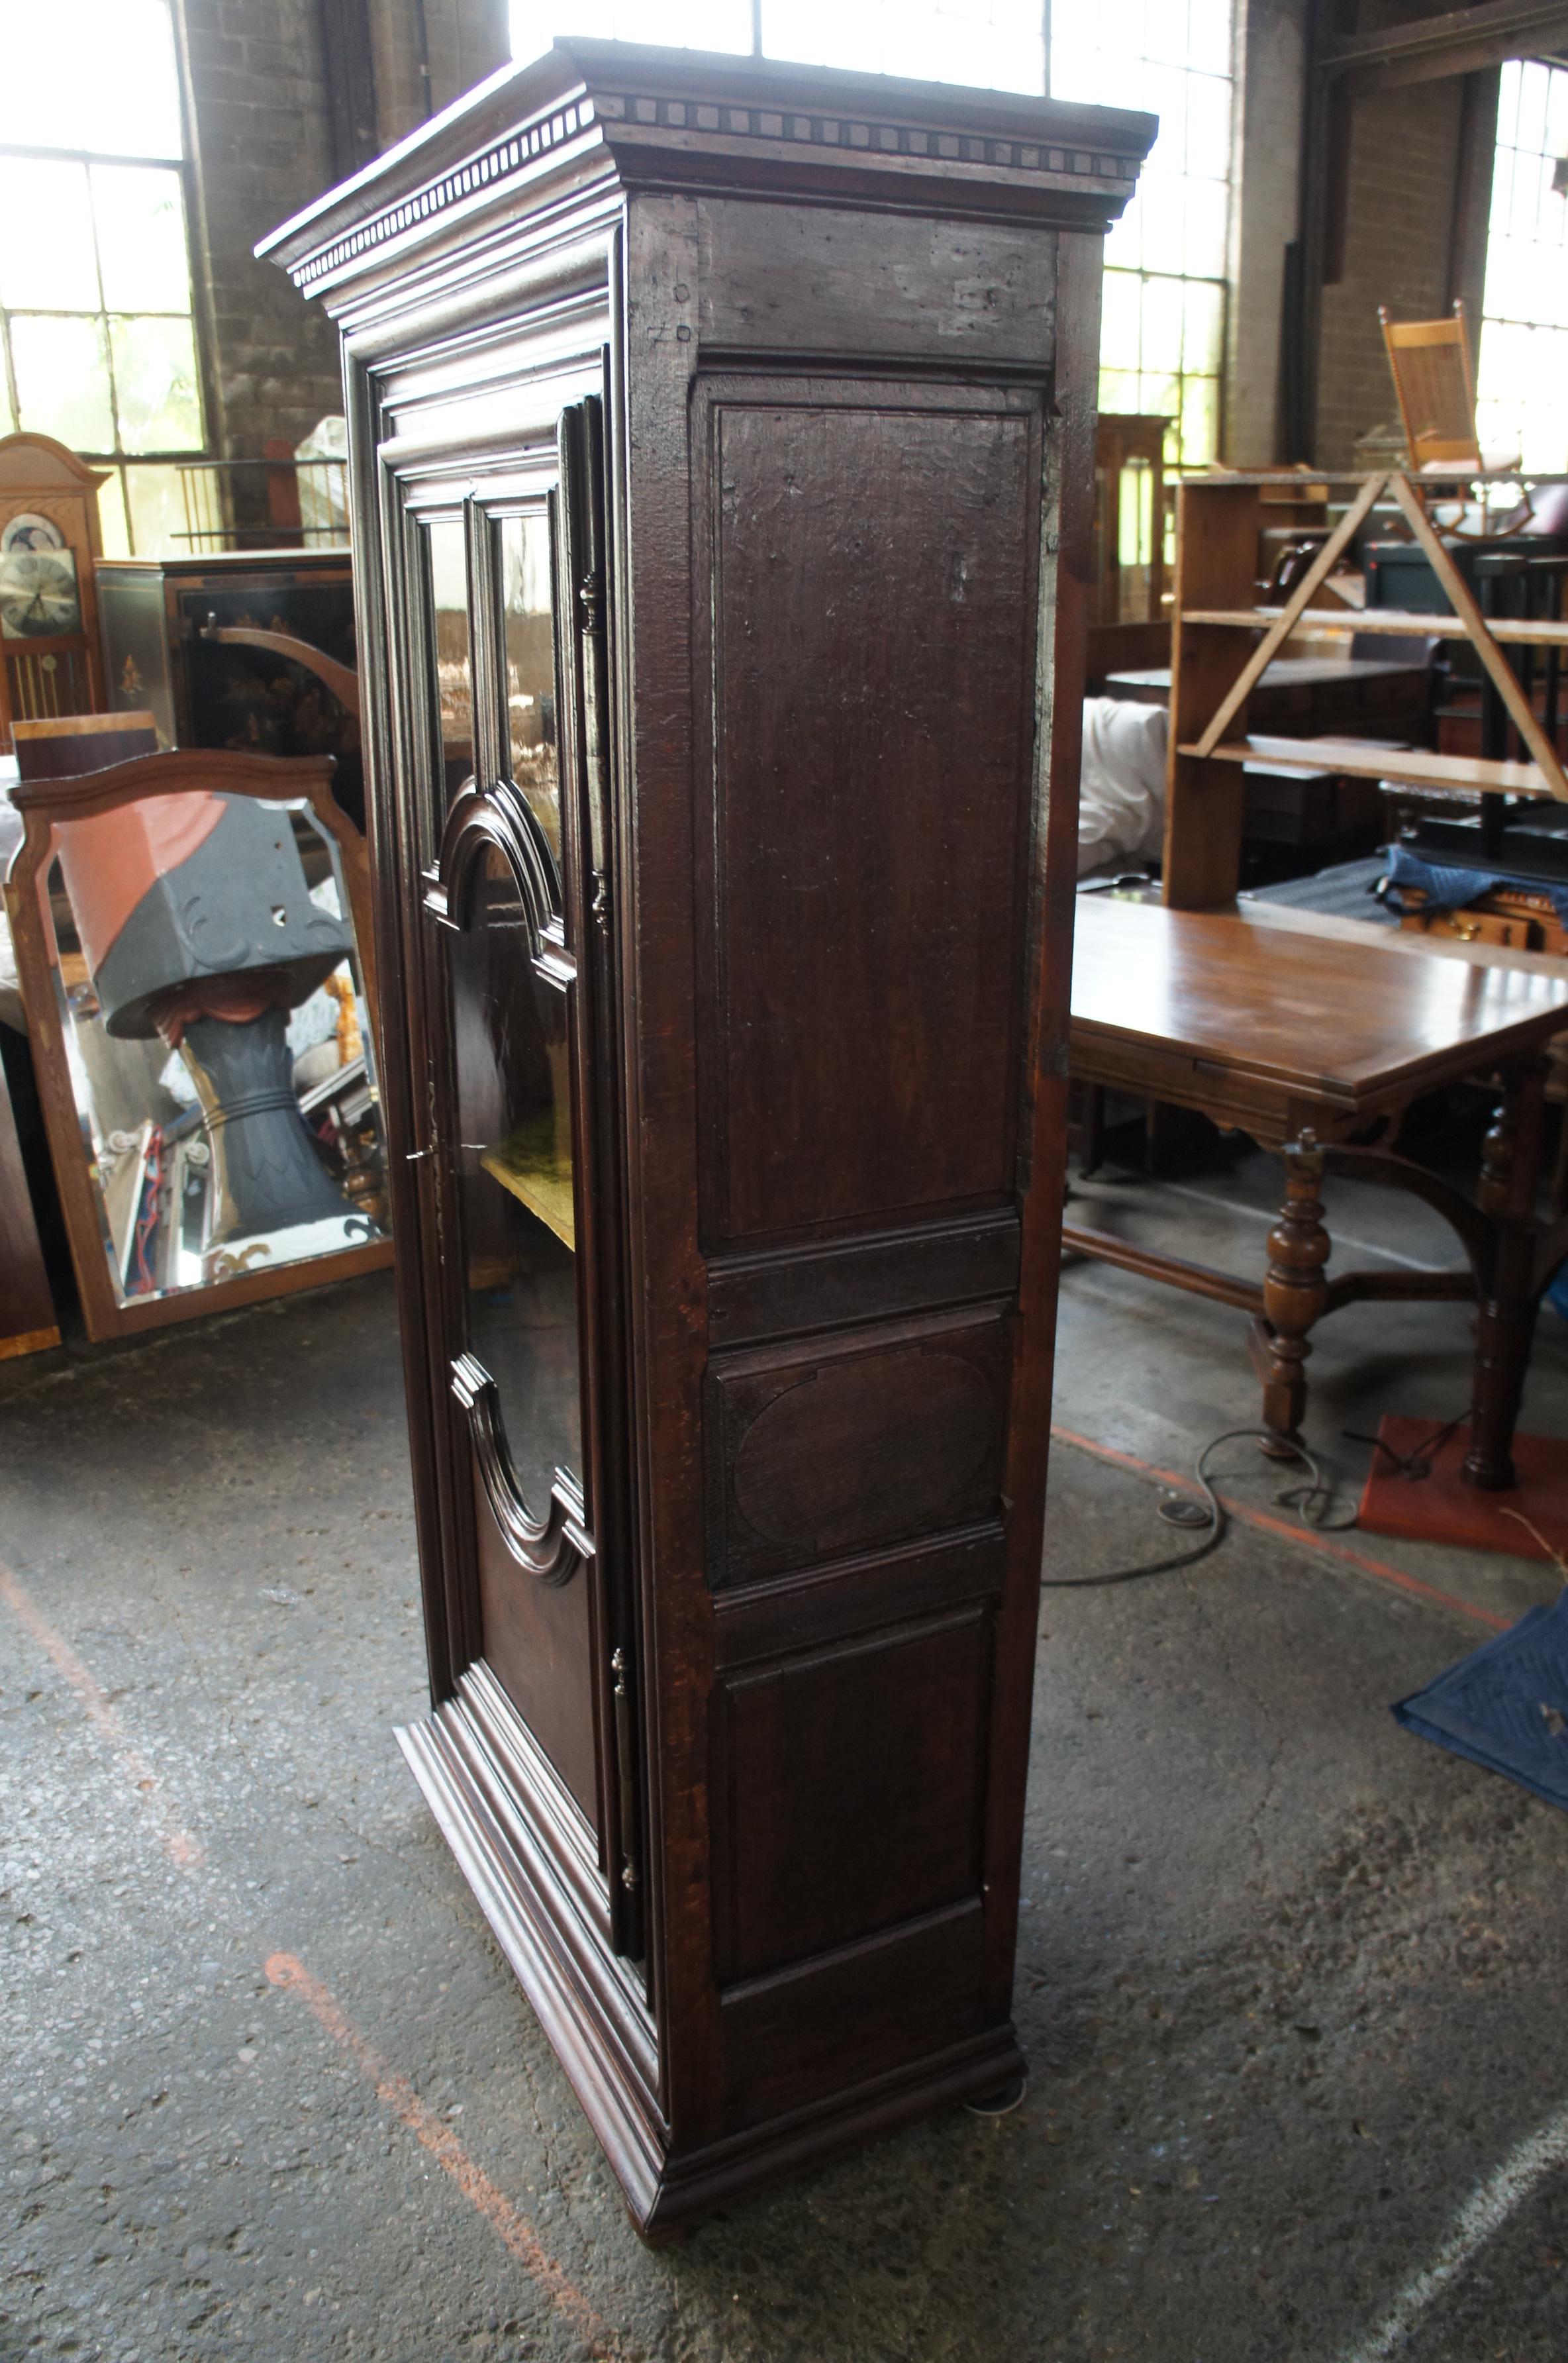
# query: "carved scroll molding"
552, 1547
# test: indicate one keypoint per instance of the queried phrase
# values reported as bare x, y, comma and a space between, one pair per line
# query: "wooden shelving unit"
1222, 641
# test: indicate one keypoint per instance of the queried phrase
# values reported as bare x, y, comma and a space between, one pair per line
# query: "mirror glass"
514, 1163
528, 625
217, 1039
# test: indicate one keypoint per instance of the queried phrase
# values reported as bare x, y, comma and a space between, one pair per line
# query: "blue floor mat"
1506, 1705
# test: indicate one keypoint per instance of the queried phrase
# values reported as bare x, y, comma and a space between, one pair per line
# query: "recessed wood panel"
537, 1641
780, 1289
890, 283
873, 653
828, 1461
827, 2024
879, 1740
846, 1442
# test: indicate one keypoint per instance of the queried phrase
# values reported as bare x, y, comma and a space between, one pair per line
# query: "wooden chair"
1435, 384
1434, 381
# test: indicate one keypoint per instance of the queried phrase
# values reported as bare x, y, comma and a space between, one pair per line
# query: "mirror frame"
41, 803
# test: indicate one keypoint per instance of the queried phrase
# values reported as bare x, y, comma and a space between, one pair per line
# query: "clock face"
38, 593
27, 532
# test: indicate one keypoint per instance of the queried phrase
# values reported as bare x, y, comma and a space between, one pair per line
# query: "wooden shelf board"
524, 1163
1540, 634
1445, 774
1287, 479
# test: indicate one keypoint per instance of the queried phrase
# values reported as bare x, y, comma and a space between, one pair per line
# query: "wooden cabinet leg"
1295, 1297
1506, 1311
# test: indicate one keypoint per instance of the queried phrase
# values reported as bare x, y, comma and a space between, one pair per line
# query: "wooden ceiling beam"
1434, 49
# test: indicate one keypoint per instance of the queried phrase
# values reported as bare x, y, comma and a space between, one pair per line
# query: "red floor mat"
1443, 1508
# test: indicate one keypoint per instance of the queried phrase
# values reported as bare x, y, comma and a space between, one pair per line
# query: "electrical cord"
1176, 1512
1414, 1464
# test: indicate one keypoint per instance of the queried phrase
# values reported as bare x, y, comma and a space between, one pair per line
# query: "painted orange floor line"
1378, 1568
396, 2093
182, 1849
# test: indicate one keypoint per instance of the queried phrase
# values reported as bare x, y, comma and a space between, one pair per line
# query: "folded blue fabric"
1448, 887
1506, 1705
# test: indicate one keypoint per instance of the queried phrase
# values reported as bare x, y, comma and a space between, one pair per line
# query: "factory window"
1162, 333
1522, 386
96, 336
1162, 345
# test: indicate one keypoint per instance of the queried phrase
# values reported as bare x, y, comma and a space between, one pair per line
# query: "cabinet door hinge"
590, 602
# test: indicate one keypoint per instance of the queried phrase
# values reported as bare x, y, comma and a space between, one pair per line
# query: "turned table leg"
1507, 1305
1294, 1296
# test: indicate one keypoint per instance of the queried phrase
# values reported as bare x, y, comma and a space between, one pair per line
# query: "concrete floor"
1289, 1978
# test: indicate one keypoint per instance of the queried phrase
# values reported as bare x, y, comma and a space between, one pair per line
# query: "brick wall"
261, 143
1270, 60
1414, 237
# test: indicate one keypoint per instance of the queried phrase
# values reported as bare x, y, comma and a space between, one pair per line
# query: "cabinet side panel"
873, 686
854, 1789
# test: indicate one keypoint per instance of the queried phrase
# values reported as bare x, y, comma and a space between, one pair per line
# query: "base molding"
578, 2001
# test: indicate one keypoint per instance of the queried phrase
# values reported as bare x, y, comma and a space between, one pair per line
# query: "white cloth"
1121, 797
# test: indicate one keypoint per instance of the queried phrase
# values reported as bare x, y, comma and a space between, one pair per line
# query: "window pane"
50, 267
1124, 245
1120, 390
679, 24
1119, 340
1532, 132
62, 380
1164, 31
156, 498
112, 525
93, 73
141, 238
1165, 226
1203, 314
528, 624
1199, 421
1207, 127
1203, 251
155, 384
1161, 324
1208, 36
1164, 94
993, 43
1521, 407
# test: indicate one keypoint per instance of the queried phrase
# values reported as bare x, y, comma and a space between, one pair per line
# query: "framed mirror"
193, 944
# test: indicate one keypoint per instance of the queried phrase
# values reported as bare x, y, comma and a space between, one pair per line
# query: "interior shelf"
1541, 633
1358, 760
528, 1164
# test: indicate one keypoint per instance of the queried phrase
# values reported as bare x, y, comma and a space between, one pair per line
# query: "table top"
1316, 1016
1284, 672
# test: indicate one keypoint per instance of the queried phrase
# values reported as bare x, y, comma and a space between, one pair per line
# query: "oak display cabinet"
722, 460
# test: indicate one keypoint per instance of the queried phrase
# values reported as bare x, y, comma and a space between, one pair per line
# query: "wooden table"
1314, 1046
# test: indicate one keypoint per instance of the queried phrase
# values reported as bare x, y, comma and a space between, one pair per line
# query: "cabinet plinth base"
541, 1930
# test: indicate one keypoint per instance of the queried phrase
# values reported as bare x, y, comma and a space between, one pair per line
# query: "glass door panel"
515, 1161
527, 627
447, 544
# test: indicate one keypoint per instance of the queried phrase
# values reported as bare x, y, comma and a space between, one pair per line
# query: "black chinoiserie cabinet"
723, 461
